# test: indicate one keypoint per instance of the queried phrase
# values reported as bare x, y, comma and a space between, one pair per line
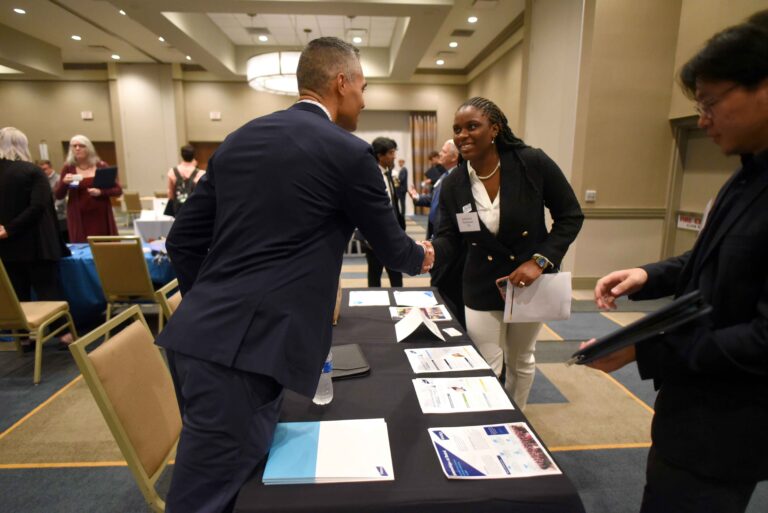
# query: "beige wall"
501, 83
700, 20
605, 245
50, 111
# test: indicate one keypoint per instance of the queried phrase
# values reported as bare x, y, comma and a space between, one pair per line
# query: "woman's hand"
526, 274
94, 192
613, 361
3, 233
617, 284
67, 179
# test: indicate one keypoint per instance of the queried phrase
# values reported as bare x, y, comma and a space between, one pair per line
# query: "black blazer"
258, 246
712, 406
530, 181
28, 215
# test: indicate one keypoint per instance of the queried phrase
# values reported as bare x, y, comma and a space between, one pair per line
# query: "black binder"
105, 177
349, 361
680, 312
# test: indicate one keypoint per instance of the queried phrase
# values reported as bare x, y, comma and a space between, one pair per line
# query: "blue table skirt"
82, 288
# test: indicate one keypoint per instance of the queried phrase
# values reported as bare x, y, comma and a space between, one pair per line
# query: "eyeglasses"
704, 108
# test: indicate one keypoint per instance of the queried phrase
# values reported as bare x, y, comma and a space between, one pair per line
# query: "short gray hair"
321, 60
14, 144
453, 149
93, 158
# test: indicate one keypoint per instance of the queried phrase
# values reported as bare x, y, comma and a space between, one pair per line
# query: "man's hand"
526, 274
617, 284
413, 193
429, 255
613, 361
3, 233
94, 192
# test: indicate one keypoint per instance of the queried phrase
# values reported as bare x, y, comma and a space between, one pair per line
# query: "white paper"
491, 452
368, 298
445, 359
415, 298
412, 321
436, 313
546, 299
452, 332
453, 395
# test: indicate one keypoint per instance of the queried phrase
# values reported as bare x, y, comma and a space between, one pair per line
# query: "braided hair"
505, 140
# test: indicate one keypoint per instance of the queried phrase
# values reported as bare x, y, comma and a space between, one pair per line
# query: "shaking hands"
429, 255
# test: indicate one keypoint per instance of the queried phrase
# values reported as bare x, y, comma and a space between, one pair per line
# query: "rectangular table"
420, 485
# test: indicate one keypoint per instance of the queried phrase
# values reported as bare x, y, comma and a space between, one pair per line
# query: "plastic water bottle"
324, 393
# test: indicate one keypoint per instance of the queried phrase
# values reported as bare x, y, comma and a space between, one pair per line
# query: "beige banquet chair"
132, 202
123, 272
134, 391
31, 319
168, 303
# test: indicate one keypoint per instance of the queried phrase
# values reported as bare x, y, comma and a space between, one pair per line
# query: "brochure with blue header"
337, 451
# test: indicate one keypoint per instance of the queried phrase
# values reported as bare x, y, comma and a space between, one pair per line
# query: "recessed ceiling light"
76, 37
161, 39
122, 12
440, 62
472, 19
263, 38
453, 44
19, 11
357, 40
115, 56
189, 58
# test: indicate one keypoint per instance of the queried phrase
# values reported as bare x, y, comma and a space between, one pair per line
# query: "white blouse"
488, 211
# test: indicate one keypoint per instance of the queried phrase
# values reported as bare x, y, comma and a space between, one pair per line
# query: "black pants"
375, 268
671, 489
229, 418
40, 275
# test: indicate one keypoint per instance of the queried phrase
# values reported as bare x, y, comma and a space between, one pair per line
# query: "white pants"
510, 343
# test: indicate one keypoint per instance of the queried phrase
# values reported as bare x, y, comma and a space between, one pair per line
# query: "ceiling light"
357, 40
274, 72
115, 56
189, 58
122, 12
161, 39
472, 19
263, 38
440, 62
453, 44
19, 11
76, 37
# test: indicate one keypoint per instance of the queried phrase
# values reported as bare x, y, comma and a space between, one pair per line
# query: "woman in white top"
495, 202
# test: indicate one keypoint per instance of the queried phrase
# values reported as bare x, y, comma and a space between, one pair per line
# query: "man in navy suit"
709, 429
258, 250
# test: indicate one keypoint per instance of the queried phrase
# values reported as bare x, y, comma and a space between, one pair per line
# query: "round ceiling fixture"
274, 72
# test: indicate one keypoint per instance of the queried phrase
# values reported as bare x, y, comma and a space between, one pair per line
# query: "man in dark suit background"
258, 250
401, 184
385, 149
709, 429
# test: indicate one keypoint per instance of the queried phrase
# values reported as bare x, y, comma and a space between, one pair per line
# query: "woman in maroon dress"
89, 210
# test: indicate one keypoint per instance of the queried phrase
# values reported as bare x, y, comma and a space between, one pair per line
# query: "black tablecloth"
420, 485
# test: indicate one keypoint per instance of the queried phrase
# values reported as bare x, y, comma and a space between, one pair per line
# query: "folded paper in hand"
681, 311
546, 299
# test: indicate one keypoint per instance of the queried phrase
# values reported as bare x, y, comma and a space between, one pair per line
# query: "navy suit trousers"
229, 418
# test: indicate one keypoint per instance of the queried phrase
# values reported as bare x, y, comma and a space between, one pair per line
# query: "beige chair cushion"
174, 301
37, 312
139, 386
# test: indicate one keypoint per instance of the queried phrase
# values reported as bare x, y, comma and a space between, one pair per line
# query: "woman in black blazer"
495, 202
30, 242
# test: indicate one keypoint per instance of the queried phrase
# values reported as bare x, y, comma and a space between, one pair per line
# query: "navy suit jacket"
258, 246
712, 407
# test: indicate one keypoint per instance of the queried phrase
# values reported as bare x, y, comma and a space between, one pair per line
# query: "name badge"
468, 222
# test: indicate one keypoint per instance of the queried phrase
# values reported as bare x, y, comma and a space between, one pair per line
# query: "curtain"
423, 141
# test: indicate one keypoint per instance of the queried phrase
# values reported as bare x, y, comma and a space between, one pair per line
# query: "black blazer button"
512, 257
525, 233
490, 258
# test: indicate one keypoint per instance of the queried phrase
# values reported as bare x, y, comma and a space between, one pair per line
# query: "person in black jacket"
30, 244
709, 430
494, 201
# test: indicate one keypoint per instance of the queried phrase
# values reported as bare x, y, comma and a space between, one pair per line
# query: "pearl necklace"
486, 177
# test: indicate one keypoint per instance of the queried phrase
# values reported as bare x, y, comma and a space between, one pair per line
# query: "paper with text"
546, 299
453, 395
445, 359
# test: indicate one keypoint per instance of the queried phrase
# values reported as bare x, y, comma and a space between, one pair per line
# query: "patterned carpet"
57, 455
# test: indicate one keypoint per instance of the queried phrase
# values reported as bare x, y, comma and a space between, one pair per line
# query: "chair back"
169, 303
11, 315
121, 268
133, 389
132, 202
161, 194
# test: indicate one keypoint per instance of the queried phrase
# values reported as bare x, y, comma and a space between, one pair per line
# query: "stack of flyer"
339, 451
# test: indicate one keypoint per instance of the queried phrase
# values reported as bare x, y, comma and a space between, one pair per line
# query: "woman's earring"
493, 141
